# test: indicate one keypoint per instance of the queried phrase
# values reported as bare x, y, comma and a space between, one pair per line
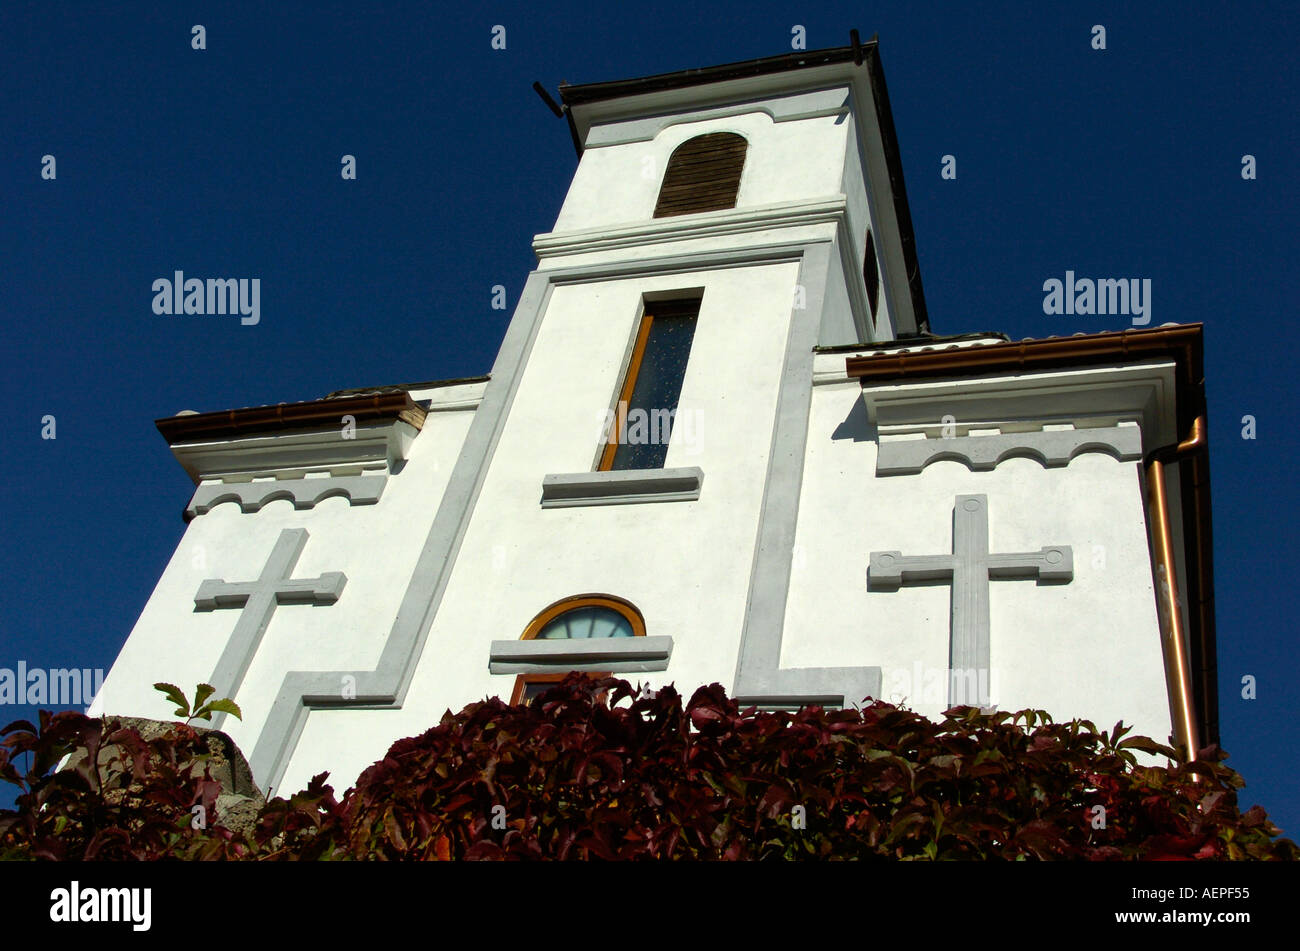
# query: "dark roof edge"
894, 162
1181, 340
258, 420
584, 94
920, 340
406, 387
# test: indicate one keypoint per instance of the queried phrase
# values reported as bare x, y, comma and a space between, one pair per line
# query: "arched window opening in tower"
703, 175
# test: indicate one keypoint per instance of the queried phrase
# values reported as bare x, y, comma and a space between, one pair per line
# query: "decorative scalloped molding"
980, 453
1050, 416
304, 493
615, 654
296, 453
303, 466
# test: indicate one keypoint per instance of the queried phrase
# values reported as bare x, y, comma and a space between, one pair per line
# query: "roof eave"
265, 420
577, 95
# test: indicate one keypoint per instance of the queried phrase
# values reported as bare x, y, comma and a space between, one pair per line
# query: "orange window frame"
625, 392
670, 308
537, 624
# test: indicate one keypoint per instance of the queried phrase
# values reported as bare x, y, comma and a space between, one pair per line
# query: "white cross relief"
969, 569
258, 599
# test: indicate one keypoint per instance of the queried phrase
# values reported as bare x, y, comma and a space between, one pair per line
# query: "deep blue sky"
1117, 163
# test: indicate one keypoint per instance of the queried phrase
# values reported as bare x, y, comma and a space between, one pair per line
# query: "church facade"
719, 444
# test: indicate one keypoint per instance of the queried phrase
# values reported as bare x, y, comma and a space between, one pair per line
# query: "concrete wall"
685, 565
375, 546
1089, 648
785, 161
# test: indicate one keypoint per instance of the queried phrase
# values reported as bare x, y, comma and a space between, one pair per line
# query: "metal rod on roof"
546, 98
856, 42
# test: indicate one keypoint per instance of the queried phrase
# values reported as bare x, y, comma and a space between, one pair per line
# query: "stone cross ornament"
969, 569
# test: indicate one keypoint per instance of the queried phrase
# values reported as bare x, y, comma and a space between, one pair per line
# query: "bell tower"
722, 224
748, 156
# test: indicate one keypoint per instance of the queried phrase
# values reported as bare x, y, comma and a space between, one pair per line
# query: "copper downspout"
1165, 569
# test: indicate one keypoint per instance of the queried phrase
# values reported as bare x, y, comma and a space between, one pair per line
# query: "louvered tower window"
703, 175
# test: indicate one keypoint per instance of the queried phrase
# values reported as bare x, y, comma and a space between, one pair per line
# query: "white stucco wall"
1089, 648
785, 161
375, 546
685, 565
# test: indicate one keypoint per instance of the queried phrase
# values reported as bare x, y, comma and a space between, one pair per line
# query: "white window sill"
621, 487
614, 654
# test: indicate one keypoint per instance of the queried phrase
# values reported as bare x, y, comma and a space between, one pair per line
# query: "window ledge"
622, 487
614, 654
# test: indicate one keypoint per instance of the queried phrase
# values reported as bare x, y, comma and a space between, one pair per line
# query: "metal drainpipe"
1166, 577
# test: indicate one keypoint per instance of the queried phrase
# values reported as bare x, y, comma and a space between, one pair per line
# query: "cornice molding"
1052, 415
303, 467
809, 104
367, 446
787, 214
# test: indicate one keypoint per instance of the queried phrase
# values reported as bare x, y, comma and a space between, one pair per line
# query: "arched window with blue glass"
582, 617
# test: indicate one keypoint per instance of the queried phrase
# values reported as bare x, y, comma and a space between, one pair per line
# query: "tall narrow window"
870, 274
581, 617
703, 175
643, 418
